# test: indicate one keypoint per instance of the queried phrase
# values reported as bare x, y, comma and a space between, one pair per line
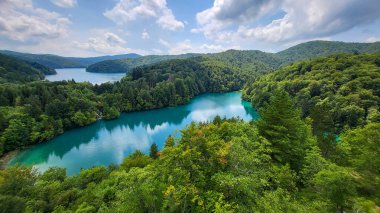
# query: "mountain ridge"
57, 62
251, 58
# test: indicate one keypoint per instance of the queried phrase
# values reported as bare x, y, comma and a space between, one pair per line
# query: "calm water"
108, 142
80, 75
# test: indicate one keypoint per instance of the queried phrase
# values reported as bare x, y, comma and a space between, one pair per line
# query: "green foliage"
18, 71
49, 108
314, 49
227, 165
153, 151
222, 166
137, 159
281, 124
344, 86
337, 185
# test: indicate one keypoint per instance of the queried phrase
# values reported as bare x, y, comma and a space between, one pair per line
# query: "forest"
315, 147
19, 71
270, 165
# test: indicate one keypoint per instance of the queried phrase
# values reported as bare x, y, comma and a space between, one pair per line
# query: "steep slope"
314, 49
343, 86
14, 70
54, 61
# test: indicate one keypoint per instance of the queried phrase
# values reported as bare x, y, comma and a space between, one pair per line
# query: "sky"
86, 28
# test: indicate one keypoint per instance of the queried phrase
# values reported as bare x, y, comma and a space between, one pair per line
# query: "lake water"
109, 142
80, 75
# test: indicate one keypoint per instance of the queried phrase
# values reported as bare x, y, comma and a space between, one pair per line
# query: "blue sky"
107, 27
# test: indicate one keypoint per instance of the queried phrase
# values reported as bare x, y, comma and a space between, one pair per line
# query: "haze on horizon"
98, 27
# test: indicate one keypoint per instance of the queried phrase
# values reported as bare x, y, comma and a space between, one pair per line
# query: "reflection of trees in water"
250, 110
84, 135
153, 118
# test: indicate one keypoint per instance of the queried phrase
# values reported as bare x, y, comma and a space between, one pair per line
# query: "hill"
18, 71
125, 65
253, 60
56, 62
314, 49
343, 86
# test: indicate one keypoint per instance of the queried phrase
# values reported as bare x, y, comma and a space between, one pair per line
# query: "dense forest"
18, 71
315, 147
346, 87
57, 62
271, 165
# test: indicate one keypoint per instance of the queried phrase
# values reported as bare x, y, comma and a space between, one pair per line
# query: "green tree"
282, 125
153, 151
137, 159
337, 185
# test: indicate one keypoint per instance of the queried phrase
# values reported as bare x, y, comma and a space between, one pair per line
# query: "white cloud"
108, 43
373, 39
302, 20
187, 46
113, 38
64, 3
131, 10
316, 18
21, 21
145, 35
225, 13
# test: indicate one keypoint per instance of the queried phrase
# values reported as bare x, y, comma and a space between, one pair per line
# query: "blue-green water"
108, 142
80, 75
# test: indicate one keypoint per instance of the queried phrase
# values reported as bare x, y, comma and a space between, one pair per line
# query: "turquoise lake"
109, 142
80, 75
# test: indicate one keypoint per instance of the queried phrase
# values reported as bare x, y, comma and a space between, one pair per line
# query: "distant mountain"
15, 70
55, 61
125, 65
314, 49
253, 60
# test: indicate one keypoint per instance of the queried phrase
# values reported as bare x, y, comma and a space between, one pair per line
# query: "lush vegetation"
56, 62
314, 49
314, 149
272, 165
338, 92
38, 111
18, 71
127, 64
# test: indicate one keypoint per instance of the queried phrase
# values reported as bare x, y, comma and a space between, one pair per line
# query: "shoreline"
4, 160
6, 157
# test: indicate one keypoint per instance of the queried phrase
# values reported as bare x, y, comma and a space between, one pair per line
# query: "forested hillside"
56, 62
315, 147
126, 65
272, 165
314, 49
17, 71
257, 62
338, 92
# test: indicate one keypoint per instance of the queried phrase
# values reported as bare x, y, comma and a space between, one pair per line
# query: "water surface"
109, 142
80, 75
